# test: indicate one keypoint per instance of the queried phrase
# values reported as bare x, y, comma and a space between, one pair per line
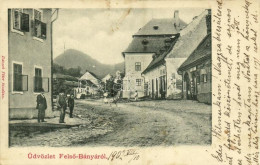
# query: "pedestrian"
41, 106
105, 97
136, 95
61, 101
71, 104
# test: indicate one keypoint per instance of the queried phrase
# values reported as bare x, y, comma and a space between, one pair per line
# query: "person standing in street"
71, 104
41, 106
136, 95
61, 101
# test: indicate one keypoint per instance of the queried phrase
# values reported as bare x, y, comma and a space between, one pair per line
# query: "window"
20, 20
138, 66
17, 19
37, 15
38, 80
20, 82
138, 82
18, 77
204, 78
39, 26
198, 79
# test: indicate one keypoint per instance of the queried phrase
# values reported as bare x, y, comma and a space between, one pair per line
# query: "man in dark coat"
71, 104
41, 106
61, 101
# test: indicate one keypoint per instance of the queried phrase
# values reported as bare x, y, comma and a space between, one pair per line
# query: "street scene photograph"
123, 77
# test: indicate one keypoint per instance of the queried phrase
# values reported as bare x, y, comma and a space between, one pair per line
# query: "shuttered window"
38, 80
16, 19
20, 82
25, 22
37, 15
20, 20
43, 30
18, 77
40, 27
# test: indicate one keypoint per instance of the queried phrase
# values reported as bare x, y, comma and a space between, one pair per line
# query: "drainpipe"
57, 10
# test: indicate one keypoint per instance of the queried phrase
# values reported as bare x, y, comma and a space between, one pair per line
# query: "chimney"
176, 19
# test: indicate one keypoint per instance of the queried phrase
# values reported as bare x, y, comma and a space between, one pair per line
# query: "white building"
161, 74
147, 43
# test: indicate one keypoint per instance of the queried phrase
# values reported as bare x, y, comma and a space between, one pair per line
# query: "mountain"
72, 58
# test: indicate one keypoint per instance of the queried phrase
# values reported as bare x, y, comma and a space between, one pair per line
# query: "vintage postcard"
130, 82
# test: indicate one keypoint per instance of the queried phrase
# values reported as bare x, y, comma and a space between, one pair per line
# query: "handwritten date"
130, 154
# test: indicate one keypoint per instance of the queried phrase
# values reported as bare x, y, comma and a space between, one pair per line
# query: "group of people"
62, 102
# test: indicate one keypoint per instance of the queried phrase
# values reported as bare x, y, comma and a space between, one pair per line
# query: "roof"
165, 26
85, 76
152, 46
160, 59
107, 77
203, 51
190, 37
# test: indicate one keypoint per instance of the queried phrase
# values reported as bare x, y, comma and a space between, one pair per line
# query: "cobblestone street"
144, 123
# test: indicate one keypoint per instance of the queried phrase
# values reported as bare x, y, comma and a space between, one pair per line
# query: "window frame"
136, 66
14, 91
35, 37
205, 78
39, 10
18, 31
138, 83
37, 67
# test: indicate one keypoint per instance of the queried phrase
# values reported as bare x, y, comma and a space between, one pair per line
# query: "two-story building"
150, 41
29, 60
161, 74
196, 73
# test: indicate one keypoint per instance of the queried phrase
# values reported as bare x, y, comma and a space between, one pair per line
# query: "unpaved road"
145, 123
156, 123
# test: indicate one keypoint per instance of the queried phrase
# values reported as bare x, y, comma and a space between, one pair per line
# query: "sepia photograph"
109, 77
129, 82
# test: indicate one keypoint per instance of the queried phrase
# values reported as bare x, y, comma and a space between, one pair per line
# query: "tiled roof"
161, 27
160, 59
201, 52
190, 37
85, 76
193, 34
153, 45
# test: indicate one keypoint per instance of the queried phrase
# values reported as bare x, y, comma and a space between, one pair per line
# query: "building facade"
29, 60
161, 75
196, 73
150, 41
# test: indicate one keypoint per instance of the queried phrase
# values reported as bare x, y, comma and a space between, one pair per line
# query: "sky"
104, 34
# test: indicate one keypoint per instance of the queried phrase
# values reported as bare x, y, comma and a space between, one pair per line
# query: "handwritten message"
236, 69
